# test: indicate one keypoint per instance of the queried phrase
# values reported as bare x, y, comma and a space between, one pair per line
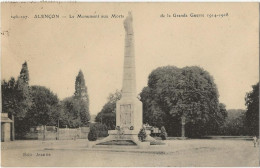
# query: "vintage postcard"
129, 84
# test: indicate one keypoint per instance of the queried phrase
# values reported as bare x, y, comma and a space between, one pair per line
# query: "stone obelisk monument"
129, 114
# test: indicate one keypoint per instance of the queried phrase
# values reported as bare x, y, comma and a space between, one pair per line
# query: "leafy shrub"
142, 134
100, 129
92, 135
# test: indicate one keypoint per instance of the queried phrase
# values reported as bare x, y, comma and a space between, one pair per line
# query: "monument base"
127, 138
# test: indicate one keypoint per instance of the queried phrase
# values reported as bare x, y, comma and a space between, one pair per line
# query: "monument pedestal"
129, 114
120, 135
128, 121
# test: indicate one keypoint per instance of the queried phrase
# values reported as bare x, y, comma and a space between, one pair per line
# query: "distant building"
6, 130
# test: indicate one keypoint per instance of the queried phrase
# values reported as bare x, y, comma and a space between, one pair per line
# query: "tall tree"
24, 74
82, 100
107, 115
16, 98
252, 113
23, 88
173, 92
76, 108
81, 91
16, 94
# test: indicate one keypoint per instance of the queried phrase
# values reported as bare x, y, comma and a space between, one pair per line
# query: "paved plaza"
176, 153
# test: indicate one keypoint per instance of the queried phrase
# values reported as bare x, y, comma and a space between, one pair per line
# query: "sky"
56, 49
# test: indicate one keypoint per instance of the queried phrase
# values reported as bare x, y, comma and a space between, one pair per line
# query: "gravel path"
175, 153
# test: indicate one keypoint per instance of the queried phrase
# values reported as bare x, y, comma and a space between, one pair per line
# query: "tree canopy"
252, 113
75, 112
234, 123
24, 74
31, 106
16, 96
76, 108
107, 115
80, 87
37, 105
175, 92
45, 109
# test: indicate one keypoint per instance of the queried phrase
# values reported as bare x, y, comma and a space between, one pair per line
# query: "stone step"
117, 146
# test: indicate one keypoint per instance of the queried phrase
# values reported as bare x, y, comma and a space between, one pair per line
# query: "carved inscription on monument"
125, 115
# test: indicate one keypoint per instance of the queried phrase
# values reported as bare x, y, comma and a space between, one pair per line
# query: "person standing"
255, 141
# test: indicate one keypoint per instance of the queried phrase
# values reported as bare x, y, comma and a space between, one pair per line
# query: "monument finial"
128, 23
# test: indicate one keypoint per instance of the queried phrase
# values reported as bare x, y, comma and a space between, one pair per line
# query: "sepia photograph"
127, 84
